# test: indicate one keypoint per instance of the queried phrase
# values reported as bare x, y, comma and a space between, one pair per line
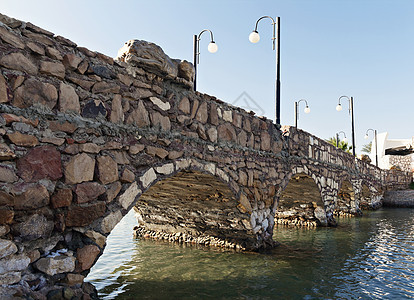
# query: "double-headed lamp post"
376, 146
307, 110
351, 112
254, 37
212, 48
337, 138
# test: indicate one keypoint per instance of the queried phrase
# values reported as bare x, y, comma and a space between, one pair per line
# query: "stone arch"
300, 199
345, 203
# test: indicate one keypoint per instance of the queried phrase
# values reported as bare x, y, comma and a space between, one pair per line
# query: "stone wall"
82, 137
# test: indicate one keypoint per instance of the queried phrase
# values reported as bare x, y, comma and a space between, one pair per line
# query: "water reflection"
368, 258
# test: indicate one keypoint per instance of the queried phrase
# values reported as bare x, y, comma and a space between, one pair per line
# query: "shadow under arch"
300, 203
345, 200
193, 206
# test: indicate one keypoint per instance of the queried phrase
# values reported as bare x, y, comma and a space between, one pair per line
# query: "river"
363, 258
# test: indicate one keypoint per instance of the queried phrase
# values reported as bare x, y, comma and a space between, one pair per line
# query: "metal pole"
195, 62
376, 149
296, 114
353, 127
337, 140
278, 72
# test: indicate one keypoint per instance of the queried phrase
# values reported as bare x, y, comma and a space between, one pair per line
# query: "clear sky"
329, 48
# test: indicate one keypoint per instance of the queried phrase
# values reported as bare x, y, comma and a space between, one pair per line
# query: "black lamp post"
351, 112
376, 145
254, 37
337, 138
307, 110
212, 48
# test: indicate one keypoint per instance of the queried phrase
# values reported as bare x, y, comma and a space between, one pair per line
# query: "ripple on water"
369, 258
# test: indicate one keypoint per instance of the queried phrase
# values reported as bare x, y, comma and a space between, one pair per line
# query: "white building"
393, 153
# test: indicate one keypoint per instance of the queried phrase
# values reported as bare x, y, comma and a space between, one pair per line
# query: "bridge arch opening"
192, 207
345, 202
300, 204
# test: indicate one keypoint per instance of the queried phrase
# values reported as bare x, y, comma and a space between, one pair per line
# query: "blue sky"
329, 48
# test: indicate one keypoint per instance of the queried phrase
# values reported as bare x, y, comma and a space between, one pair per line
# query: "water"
364, 258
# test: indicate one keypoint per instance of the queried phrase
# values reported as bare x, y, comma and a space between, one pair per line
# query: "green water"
364, 258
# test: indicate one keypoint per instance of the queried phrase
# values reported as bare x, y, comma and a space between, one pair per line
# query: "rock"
117, 114
68, 99
107, 169
36, 226
4, 229
163, 121
40, 163
89, 148
244, 201
155, 151
166, 169
7, 174
175, 154
56, 69
11, 38
128, 197
10, 277
71, 61
3, 90
74, 279
11, 22
105, 87
62, 198
93, 109
80, 168
96, 237
202, 114
127, 176
148, 178
184, 105
53, 140
320, 214
56, 265
65, 127
34, 197
139, 116
17, 61
148, 56
85, 84
6, 153
186, 70
24, 140
7, 248
84, 215
109, 222
17, 81
135, 149
89, 191
6, 216
10, 119
36, 48
86, 257
14, 263
226, 133
34, 91
161, 105
113, 191
212, 134
265, 141
53, 53
101, 71
228, 116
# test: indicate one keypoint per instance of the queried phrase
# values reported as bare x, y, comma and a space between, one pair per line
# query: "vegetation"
341, 145
412, 185
367, 148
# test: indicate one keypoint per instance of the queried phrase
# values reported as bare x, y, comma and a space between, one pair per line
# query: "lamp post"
307, 110
351, 112
254, 37
376, 146
212, 48
337, 138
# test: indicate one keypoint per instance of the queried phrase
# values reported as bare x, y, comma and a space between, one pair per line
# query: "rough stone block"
56, 265
80, 168
56, 69
17, 61
107, 169
68, 99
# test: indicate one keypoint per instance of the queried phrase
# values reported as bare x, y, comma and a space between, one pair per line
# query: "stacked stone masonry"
83, 136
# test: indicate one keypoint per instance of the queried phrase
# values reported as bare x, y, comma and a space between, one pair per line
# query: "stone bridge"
85, 138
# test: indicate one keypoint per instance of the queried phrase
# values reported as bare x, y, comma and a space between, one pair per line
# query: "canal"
363, 258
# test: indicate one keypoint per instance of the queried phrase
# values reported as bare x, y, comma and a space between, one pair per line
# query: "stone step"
402, 198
